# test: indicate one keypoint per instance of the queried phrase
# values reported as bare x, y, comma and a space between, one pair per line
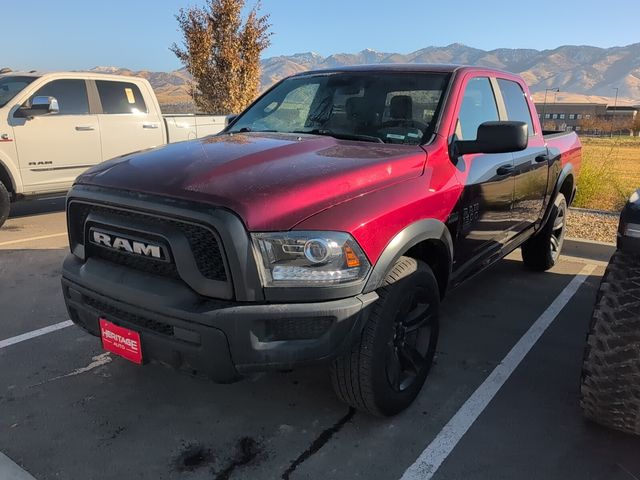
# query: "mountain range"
576, 70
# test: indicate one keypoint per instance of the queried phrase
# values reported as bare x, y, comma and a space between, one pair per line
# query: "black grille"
204, 245
137, 262
131, 318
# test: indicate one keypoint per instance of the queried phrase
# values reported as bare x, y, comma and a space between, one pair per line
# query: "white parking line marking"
425, 467
30, 239
10, 471
33, 334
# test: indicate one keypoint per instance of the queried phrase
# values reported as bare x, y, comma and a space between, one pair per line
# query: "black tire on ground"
387, 365
542, 251
5, 204
610, 388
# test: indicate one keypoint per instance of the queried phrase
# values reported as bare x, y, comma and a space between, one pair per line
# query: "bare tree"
222, 53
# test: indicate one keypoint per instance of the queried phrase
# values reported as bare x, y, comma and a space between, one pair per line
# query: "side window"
120, 97
478, 106
71, 95
516, 103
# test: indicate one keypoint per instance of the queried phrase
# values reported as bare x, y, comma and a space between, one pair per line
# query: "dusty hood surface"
272, 181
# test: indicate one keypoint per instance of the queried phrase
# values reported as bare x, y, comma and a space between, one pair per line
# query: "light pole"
613, 117
544, 105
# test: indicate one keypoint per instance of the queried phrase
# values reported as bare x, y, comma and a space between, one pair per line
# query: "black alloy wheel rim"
557, 233
410, 350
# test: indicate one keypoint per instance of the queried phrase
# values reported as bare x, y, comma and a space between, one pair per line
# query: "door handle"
150, 125
542, 158
505, 170
85, 128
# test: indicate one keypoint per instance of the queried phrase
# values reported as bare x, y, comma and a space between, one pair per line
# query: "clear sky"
73, 34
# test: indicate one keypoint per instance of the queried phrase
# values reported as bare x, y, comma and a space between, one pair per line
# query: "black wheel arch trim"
566, 172
402, 242
4, 169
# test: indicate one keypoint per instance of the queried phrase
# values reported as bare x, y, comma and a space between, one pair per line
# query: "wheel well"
434, 253
567, 189
5, 178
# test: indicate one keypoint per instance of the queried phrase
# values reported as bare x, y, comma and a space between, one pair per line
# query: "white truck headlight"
307, 259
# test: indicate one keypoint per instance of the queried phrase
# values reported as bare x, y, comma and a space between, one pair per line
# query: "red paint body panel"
272, 181
374, 219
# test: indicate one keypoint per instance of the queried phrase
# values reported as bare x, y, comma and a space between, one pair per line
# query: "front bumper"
221, 339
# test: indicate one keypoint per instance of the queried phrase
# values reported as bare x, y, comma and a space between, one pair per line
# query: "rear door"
54, 149
531, 167
486, 201
127, 122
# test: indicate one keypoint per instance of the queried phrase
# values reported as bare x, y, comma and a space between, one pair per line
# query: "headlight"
307, 259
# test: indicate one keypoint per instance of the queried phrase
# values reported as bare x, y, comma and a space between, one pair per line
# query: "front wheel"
542, 251
5, 203
388, 363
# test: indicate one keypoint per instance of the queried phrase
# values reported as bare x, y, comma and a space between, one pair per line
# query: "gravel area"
592, 226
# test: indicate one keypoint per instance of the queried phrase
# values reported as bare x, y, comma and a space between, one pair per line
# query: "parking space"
70, 411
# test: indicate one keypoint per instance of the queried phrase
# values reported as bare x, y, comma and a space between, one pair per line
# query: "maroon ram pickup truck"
325, 224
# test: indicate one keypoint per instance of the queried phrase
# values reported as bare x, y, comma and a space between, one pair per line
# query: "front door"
54, 149
484, 214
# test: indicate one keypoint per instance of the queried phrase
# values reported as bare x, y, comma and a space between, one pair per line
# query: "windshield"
11, 85
389, 107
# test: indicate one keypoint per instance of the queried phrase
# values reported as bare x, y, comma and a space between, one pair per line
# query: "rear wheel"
610, 385
5, 203
387, 365
542, 251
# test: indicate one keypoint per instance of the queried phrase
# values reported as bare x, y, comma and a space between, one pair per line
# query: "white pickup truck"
54, 126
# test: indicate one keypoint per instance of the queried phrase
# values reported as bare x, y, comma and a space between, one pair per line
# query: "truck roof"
88, 75
403, 67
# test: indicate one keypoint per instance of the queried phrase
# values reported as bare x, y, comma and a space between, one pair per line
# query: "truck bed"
566, 142
182, 127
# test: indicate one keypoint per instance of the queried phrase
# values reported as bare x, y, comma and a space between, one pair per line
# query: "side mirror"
496, 137
40, 105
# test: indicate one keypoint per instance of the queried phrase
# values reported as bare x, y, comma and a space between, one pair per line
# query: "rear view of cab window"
120, 97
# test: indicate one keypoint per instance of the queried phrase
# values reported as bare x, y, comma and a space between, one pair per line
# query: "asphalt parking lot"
501, 401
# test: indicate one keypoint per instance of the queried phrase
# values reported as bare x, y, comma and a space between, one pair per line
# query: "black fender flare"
566, 171
12, 183
427, 229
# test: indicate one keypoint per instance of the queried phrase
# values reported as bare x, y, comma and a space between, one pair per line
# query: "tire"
610, 387
542, 251
388, 363
5, 204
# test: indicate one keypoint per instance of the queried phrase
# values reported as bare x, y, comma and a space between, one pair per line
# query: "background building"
590, 118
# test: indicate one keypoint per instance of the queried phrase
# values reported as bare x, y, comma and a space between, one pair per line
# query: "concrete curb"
11, 471
590, 211
594, 242
600, 252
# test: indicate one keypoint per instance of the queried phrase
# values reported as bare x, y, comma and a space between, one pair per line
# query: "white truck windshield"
11, 85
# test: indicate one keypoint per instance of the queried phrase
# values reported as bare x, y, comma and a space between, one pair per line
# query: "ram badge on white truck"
54, 126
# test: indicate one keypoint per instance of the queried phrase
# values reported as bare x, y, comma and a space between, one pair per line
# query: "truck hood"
272, 181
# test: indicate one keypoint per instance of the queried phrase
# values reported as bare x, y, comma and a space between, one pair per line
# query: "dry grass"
610, 172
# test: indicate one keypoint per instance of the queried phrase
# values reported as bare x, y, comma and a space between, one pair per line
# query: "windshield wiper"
247, 130
341, 135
